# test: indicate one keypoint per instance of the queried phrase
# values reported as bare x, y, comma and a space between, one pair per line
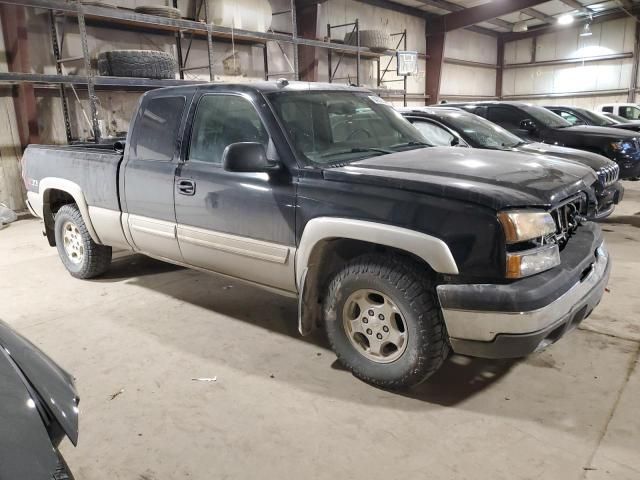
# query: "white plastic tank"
254, 15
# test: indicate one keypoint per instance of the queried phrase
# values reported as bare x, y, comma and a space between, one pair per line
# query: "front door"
149, 174
239, 224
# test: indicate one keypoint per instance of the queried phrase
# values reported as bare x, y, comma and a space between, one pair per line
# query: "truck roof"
259, 86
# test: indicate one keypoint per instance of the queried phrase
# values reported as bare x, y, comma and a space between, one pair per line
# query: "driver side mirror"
528, 125
455, 141
247, 157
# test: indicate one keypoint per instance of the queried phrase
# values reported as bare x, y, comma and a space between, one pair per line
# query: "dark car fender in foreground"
38, 407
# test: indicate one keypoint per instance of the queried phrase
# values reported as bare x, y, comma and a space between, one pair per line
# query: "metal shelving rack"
94, 15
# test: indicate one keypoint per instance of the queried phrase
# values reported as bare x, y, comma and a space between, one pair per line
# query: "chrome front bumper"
499, 334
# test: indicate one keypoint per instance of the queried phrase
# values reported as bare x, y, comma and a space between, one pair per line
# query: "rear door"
152, 155
236, 223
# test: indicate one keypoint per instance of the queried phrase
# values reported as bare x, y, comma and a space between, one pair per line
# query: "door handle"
186, 187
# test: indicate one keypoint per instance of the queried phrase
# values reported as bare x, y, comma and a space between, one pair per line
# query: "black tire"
376, 40
413, 293
95, 259
137, 63
168, 12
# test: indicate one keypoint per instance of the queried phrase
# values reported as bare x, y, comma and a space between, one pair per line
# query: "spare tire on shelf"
160, 11
376, 40
137, 63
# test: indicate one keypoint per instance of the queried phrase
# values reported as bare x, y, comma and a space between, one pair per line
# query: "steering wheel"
358, 130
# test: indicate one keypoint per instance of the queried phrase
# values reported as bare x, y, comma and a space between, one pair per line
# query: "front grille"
609, 174
568, 215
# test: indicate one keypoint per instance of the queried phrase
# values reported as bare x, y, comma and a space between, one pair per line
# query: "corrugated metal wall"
12, 192
582, 83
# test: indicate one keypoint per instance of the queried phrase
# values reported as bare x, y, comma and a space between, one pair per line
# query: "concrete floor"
283, 408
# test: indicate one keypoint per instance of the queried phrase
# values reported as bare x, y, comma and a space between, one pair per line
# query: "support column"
306, 22
433, 71
14, 30
633, 83
500, 69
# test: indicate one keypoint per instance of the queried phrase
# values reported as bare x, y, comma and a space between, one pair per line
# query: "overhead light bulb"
520, 27
586, 31
565, 19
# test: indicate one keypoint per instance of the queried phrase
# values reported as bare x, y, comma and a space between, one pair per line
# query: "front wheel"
82, 257
383, 321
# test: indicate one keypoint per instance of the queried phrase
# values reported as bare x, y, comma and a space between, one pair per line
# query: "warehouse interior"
182, 373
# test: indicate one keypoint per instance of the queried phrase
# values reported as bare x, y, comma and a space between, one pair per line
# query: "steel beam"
433, 70
480, 13
17, 50
306, 23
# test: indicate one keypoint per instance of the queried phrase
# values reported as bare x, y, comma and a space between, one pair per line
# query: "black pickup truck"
400, 251
537, 124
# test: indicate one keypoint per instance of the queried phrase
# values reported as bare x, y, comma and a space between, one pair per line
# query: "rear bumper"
502, 328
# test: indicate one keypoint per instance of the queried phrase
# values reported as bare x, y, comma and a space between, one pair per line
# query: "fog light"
530, 262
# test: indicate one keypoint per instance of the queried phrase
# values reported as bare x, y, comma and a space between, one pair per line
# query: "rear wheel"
82, 257
383, 321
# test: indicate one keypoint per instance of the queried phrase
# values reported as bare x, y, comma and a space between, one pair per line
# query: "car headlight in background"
622, 146
536, 260
523, 225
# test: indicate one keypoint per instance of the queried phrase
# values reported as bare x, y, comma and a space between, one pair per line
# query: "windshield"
479, 132
337, 127
595, 118
545, 117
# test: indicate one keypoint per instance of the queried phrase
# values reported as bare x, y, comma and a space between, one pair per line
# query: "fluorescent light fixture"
565, 19
586, 31
520, 27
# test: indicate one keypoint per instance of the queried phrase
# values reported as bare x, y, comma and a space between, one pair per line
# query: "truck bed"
93, 168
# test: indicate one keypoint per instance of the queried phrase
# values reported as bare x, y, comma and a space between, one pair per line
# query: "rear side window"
220, 121
607, 109
510, 117
433, 134
156, 129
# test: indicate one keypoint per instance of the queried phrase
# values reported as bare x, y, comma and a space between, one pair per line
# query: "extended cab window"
221, 120
156, 130
433, 134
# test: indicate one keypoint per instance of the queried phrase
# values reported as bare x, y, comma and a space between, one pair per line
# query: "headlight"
527, 262
522, 225
622, 146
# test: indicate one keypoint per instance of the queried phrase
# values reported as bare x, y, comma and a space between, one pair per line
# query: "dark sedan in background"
582, 116
537, 124
38, 408
444, 126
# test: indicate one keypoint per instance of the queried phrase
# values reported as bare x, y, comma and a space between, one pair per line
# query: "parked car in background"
537, 124
446, 126
38, 408
326, 193
582, 116
618, 118
629, 111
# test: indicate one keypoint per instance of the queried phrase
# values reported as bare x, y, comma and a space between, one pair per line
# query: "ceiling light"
586, 31
565, 19
520, 27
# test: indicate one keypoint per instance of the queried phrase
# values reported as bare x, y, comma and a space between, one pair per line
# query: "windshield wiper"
411, 144
382, 151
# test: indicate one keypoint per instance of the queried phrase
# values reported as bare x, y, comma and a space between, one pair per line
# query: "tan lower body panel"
258, 261
108, 227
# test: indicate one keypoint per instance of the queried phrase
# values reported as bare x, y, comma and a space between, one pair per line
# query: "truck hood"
590, 159
32, 386
593, 131
492, 178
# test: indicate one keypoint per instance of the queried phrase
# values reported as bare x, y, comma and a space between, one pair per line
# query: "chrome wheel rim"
72, 241
375, 326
